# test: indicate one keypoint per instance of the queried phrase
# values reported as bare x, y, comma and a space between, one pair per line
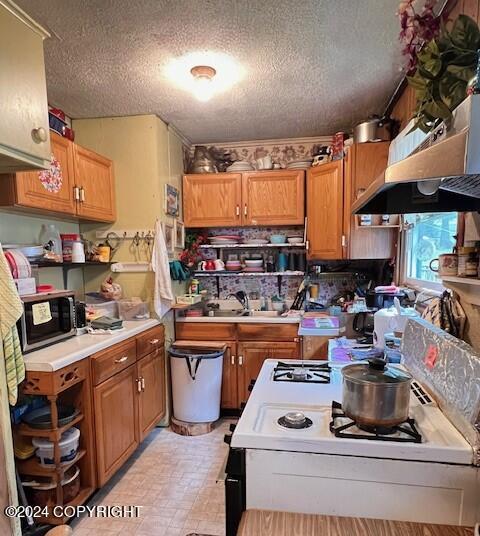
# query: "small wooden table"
268, 523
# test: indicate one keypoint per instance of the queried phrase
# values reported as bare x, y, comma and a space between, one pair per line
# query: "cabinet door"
363, 164
151, 400
273, 198
325, 211
229, 377
115, 402
251, 356
94, 177
212, 200
24, 140
52, 189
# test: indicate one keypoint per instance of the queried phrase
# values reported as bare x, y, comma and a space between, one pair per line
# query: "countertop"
241, 319
267, 523
65, 353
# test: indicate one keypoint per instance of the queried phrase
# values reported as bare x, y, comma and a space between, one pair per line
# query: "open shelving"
66, 266
252, 246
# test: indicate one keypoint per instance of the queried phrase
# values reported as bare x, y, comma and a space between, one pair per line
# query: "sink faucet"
241, 297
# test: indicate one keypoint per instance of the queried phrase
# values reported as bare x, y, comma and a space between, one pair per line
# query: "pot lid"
375, 371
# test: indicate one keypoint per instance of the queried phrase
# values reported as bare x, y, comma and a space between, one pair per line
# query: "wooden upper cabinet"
24, 141
94, 177
368, 161
212, 199
273, 198
325, 211
364, 162
151, 401
50, 190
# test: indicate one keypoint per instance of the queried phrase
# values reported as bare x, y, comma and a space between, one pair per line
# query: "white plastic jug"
383, 322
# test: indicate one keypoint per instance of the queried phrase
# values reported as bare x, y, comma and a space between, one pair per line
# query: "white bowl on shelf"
253, 263
295, 239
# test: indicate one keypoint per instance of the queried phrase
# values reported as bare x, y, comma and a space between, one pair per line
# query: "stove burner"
341, 424
299, 374
295, 420
302, 372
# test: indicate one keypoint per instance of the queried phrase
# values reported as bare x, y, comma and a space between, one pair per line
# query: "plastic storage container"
68, 447
196, 382
133, 309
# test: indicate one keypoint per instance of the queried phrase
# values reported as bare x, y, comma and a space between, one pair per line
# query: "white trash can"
196, 382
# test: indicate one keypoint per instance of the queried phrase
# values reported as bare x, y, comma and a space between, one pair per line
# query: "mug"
207, 265
447, 264
219, 264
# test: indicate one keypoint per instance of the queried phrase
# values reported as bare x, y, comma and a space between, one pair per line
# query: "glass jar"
467, 262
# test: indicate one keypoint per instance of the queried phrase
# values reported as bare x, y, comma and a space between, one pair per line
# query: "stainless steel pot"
374, 394
373, 129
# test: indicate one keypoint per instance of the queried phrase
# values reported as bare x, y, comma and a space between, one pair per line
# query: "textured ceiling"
311, 66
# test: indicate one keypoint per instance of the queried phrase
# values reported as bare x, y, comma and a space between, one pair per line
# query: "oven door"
46, 322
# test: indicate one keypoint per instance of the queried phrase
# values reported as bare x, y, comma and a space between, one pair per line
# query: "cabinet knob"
39, 135
154, 341
82, 195
232, 359
240, 360
121, 359
237, 211
245, 212
142, 382
139, 385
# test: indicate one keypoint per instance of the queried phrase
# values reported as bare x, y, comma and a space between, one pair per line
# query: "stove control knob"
227, 438
232, 427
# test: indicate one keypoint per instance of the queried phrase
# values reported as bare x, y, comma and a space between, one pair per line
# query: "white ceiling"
311, 66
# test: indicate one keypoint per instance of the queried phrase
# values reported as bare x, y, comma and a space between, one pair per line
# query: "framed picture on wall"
179, 234
169, 234
171, 200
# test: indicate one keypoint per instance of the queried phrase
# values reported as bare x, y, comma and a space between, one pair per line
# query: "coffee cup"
447, 264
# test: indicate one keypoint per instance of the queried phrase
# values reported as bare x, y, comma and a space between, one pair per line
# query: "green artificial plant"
445, 67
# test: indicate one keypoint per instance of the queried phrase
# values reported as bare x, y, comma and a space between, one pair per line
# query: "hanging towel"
163, 295
11, 309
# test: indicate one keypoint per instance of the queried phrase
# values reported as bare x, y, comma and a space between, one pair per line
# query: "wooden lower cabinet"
128, 401
151, 400
115, 404
229, 377
251, 356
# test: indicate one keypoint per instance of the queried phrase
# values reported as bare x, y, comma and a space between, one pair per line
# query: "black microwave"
47, 319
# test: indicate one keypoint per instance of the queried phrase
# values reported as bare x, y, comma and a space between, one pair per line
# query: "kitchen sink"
264, 313
229, 313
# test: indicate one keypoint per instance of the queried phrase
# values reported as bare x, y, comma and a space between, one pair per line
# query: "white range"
421, 471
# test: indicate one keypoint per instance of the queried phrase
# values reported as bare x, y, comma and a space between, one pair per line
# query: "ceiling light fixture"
205, 74
203, 78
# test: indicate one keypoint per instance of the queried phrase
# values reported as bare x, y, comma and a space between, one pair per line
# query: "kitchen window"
426, 237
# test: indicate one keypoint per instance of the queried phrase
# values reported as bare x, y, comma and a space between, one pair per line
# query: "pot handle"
377, 363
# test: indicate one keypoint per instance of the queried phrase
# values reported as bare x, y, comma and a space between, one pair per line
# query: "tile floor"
173, 478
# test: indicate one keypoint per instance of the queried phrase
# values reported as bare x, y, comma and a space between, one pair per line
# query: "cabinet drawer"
109, 362
150, 340
267, 332
205, 332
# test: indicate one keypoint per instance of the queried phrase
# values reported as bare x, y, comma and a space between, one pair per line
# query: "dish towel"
163, 295
11, 309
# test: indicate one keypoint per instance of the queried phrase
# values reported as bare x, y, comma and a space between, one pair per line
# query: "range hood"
446, 162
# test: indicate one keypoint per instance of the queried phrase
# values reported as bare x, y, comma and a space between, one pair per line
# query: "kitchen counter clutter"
72, 350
